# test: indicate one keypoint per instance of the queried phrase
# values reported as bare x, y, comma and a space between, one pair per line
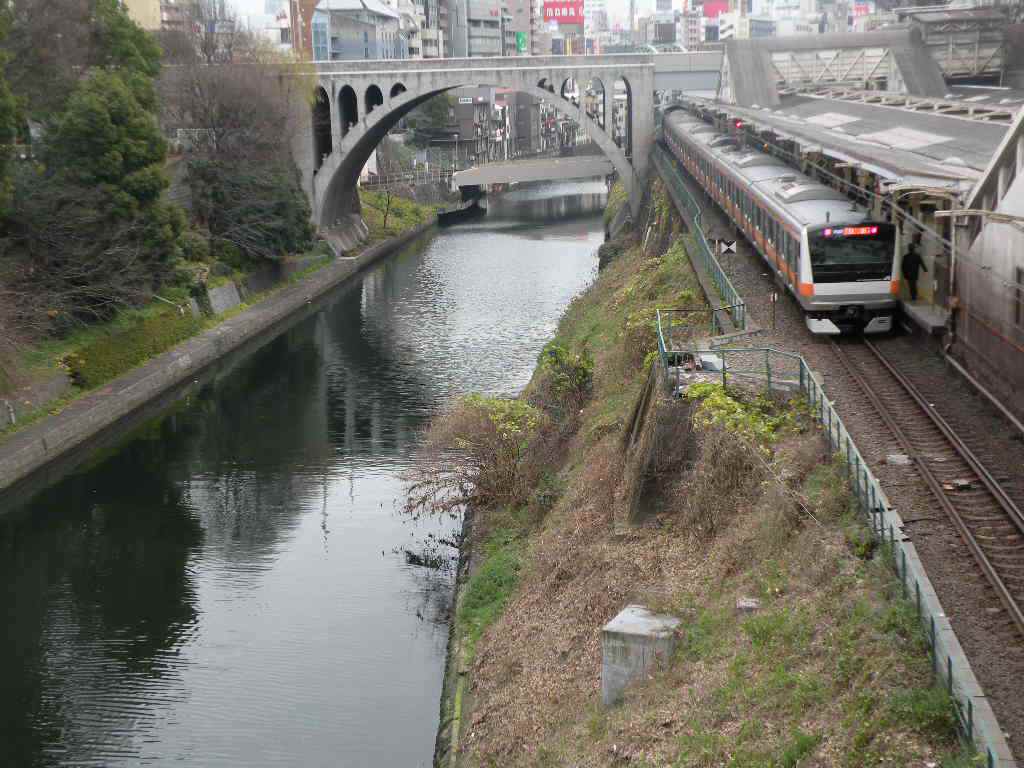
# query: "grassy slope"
402, 216
830, 671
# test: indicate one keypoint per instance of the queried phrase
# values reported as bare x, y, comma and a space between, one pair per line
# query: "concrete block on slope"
224, 297
633, 644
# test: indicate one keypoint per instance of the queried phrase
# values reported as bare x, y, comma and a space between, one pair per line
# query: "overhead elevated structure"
755, 71
541, 169
695, 71
964, 42
357, 102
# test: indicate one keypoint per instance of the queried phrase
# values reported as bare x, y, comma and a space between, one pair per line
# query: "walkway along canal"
226, 585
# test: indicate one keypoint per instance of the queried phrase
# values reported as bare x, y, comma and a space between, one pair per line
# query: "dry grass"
725, 479
829, 672
815, 678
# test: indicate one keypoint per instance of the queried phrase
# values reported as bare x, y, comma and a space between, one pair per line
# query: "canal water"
227, 584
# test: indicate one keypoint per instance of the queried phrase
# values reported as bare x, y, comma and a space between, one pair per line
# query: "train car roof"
804, 200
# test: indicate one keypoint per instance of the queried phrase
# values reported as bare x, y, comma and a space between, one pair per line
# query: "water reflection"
226, 585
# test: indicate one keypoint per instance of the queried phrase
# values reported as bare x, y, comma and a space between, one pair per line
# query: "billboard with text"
563, 11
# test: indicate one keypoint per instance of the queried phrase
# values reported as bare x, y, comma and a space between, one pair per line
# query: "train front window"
851, 254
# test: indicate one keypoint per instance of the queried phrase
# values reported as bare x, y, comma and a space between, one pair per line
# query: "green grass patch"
122, 348
617, 198
402, 214
488, 590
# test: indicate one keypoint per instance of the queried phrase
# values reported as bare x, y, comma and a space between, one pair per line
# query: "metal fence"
774, 369
679, 325
702, 252
976, 720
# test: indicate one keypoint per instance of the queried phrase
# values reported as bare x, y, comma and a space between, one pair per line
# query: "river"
226, 585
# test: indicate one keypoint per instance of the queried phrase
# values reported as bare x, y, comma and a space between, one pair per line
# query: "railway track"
986, 518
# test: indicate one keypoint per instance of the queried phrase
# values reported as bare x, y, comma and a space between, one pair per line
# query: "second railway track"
988, 521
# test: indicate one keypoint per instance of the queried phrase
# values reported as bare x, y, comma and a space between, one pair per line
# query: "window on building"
286, 36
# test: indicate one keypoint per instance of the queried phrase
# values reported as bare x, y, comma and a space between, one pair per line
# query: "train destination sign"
851, 232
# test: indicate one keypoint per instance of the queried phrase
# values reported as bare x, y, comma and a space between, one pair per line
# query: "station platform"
930, 317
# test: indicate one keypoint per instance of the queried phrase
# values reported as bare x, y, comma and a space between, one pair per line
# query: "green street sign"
520, 42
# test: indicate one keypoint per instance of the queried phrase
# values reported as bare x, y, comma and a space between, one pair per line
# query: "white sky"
617, 9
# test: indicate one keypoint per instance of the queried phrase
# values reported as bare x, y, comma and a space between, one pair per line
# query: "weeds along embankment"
596, 489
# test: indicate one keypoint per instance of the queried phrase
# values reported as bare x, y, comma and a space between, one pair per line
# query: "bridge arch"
333, 186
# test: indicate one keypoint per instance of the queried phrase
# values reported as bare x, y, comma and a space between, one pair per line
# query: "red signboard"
564, 11
861, 9
714, 8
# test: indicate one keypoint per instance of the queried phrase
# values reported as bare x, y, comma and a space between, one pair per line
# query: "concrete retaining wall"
35, 446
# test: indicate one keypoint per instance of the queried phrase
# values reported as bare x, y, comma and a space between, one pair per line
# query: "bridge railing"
701, 251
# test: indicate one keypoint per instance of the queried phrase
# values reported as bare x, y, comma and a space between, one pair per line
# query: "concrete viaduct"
357, 102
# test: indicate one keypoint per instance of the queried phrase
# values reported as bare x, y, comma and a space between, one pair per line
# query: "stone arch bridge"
356, 103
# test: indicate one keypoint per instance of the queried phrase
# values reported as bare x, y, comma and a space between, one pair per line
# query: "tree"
66, 258
8, 119
431, 118
251, 210
47, 48
85, 232
107, 139
52, 42
119, 44
246, 190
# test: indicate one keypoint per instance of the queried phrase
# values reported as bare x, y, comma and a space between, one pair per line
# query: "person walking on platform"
912, 265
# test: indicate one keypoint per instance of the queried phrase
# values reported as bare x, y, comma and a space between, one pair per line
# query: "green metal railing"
948, 662
679, 325
702, 253
775, 369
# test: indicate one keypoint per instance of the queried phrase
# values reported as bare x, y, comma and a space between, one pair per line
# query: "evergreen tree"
8, 121
107, 139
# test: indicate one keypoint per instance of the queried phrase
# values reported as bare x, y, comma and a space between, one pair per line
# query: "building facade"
345, 30
735, 26
485, 36
145, 13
